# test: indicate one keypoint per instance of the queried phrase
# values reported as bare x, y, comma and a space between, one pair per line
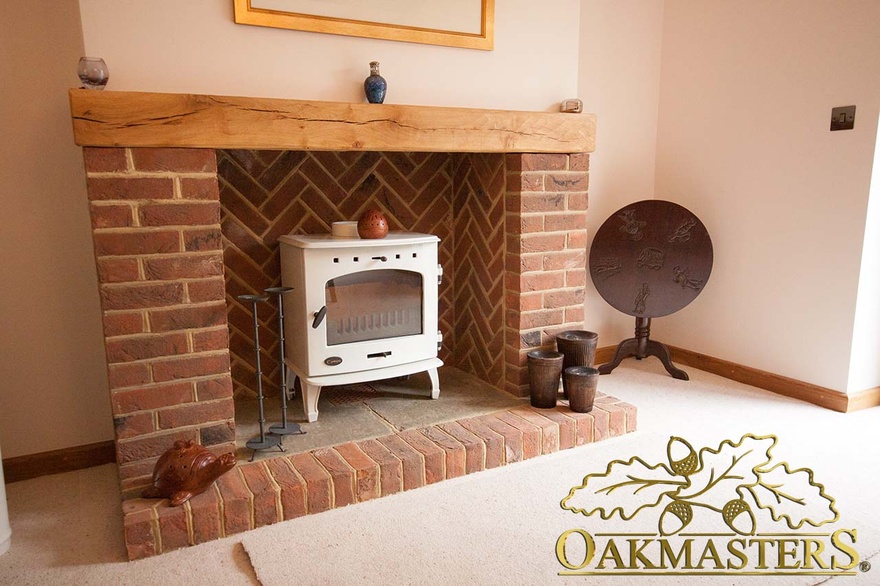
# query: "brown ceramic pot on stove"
372, 224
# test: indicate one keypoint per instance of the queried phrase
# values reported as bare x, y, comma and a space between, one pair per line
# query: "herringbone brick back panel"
266, 194
478, 209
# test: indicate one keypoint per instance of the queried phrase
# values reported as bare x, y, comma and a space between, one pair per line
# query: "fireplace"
361, 310
507, 197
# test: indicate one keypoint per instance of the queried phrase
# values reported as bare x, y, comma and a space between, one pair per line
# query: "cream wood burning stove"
360, 310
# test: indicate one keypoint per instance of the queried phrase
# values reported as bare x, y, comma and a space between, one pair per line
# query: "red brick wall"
545, 267
156, 227
514, 237
460, 198
265, 194
478, 212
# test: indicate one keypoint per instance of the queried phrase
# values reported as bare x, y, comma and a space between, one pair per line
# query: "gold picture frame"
247, 13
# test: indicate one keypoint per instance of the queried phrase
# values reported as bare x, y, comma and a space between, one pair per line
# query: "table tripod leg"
625, 349
662, 352
643, 346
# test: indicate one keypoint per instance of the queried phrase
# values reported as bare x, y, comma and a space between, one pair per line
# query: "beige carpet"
497, 527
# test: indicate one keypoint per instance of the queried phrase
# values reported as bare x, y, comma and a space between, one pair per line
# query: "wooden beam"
57, 461
138, 119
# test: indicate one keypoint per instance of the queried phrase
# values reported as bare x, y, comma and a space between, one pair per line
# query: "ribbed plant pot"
578, 347
545, 367
579, 384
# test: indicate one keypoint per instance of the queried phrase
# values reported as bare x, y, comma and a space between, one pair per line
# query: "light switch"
843, 118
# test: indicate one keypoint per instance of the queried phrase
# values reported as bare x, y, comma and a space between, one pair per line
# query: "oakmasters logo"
733, 510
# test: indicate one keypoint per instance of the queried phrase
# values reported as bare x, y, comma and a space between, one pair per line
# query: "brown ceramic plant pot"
578, 347
579, 383
372, 224
545, 366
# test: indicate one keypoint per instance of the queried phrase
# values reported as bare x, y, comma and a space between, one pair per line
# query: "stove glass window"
373, 305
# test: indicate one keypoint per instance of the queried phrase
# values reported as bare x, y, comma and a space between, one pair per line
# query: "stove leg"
310, 394
435, 383
291, 387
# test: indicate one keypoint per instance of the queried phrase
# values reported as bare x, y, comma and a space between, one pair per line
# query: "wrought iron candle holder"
283, 428
263, 442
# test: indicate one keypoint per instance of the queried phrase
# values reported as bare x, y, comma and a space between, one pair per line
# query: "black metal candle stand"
263, 441
285, 427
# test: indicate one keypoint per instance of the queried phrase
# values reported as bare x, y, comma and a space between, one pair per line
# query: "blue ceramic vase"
375, 85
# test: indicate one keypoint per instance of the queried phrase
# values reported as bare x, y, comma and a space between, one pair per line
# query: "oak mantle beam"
139, 119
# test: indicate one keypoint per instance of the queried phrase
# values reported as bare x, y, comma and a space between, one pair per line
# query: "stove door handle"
319, 317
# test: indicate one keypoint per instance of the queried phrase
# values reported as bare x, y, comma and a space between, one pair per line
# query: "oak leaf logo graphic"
734, 481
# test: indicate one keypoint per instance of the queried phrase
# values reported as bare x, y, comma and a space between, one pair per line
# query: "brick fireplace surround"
174, 245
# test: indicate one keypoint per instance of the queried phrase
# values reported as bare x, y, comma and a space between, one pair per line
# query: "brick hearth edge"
277, 489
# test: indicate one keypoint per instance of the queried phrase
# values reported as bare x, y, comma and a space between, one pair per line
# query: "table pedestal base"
640, 347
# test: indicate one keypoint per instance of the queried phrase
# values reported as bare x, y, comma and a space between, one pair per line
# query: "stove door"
373, 305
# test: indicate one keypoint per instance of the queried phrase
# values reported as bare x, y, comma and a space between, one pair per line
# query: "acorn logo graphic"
675, 517
732, 482
685, 466
733, 517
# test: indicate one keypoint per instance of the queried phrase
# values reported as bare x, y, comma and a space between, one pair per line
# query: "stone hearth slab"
364, 411
462, 394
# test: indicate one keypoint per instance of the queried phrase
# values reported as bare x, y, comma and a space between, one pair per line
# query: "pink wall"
194, 46
54, 384
746, 93
864, 369
619, 81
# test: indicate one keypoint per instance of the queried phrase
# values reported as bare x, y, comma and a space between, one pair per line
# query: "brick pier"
158, 248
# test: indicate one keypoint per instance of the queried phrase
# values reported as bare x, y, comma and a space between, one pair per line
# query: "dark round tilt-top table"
650, 259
